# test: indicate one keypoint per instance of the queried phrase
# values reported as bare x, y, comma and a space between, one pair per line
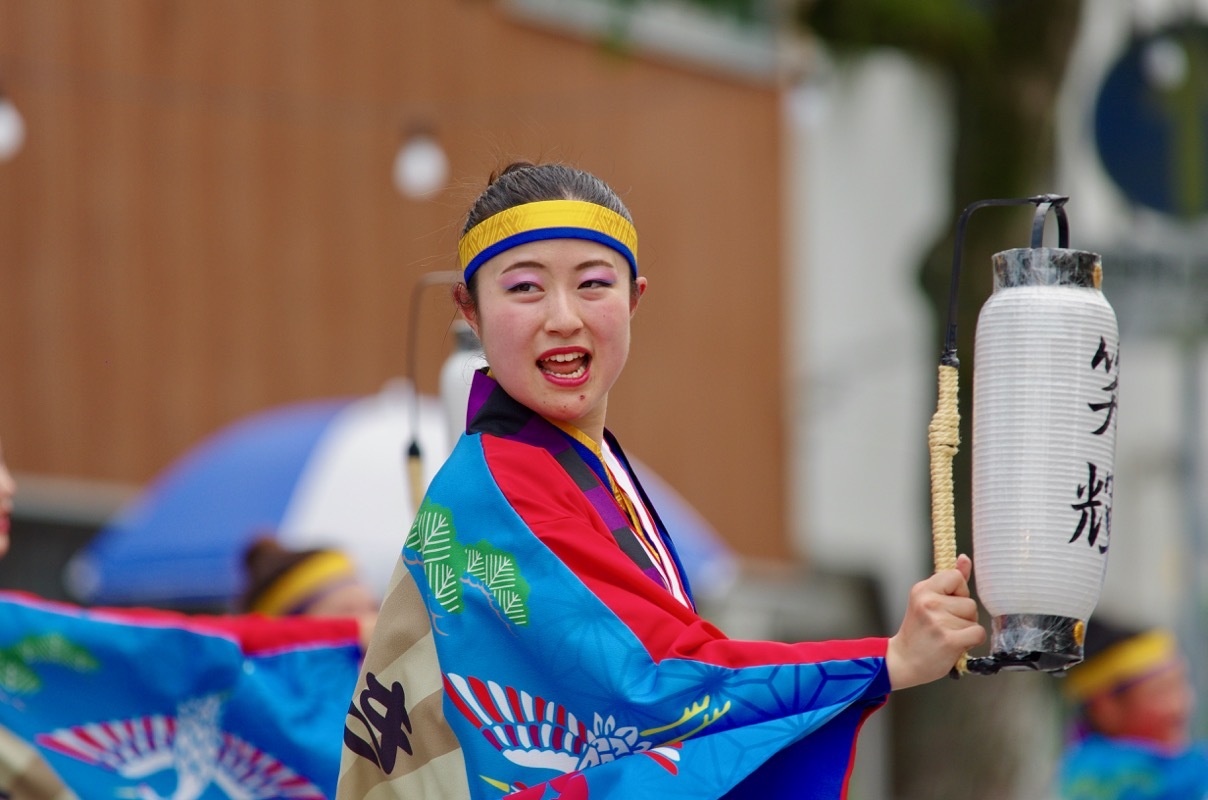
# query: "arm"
940, 622
562, 518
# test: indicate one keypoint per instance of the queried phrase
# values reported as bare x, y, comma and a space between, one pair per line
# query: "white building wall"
869, 164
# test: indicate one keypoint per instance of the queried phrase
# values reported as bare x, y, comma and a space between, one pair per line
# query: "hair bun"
515, 166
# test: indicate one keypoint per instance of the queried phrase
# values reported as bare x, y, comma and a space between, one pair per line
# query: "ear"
465, 306
467, 313
640, 282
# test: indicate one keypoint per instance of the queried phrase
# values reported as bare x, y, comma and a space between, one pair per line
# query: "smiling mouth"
567, 366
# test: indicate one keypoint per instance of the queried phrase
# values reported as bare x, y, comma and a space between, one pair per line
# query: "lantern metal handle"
1043, 203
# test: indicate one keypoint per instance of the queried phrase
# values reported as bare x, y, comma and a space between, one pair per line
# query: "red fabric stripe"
54, 744
460, 704
483, 695
664, 762
88, 738
490, 736
128, 733
514, 702
255, 633
851, 756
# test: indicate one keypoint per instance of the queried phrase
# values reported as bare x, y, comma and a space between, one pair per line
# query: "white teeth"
570, 375
563, 358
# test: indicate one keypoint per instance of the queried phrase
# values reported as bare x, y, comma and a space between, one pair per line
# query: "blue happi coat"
530, 646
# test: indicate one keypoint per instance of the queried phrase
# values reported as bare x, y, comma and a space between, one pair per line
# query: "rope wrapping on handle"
943, 440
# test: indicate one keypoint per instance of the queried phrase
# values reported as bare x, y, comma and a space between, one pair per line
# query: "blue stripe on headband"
541, 234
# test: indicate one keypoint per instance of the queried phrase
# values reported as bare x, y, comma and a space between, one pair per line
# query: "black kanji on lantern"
1095, 512
1107, 361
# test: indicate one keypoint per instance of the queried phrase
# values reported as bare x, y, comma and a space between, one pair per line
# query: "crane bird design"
533, 732
192, 744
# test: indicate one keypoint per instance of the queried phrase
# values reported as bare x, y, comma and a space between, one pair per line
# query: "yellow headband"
547, 219
1120, 663
301, 581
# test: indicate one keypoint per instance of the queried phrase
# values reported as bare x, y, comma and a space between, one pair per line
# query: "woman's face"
553, 317
1156, 708
1160, 706
8, 488
350, 600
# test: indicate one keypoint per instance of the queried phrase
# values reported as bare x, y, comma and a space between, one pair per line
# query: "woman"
251, 699
1133, 701
539, 637
316, 581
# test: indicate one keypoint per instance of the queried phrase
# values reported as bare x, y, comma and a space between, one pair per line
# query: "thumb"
965, 565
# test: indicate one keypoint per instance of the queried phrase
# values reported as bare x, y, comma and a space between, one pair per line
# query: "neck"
593, 425
594, 440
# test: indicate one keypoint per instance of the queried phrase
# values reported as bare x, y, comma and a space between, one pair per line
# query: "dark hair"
266, 562
524, 182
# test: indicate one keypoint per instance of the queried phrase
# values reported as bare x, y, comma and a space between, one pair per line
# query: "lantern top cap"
1047, 266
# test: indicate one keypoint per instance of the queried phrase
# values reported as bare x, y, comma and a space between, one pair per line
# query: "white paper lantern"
1044, 434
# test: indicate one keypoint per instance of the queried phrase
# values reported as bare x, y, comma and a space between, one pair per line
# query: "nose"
563, 317
8, 488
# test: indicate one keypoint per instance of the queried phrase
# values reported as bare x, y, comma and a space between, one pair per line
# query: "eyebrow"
530, 264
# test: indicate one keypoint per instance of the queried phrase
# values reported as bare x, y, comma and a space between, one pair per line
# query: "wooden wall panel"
202, 225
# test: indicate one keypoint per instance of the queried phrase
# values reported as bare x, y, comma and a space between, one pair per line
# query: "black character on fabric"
388, 728
1095, 513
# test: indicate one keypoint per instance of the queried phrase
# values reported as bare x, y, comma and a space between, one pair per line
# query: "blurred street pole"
1194, 484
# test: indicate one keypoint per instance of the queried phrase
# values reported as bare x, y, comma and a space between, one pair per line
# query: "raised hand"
940, 624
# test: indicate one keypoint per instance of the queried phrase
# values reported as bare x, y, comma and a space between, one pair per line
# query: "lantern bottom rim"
1040, 642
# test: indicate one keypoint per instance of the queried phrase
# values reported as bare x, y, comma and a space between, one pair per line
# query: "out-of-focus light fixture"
420, 166
1165, 63
808, 104
12, 128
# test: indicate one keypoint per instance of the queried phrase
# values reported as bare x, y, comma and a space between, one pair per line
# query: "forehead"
554, 254
1171, 675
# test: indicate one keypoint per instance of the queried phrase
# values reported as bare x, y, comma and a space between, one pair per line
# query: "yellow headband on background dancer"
1121, 663
547, 219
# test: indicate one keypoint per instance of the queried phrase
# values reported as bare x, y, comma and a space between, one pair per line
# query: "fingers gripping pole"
943, 439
